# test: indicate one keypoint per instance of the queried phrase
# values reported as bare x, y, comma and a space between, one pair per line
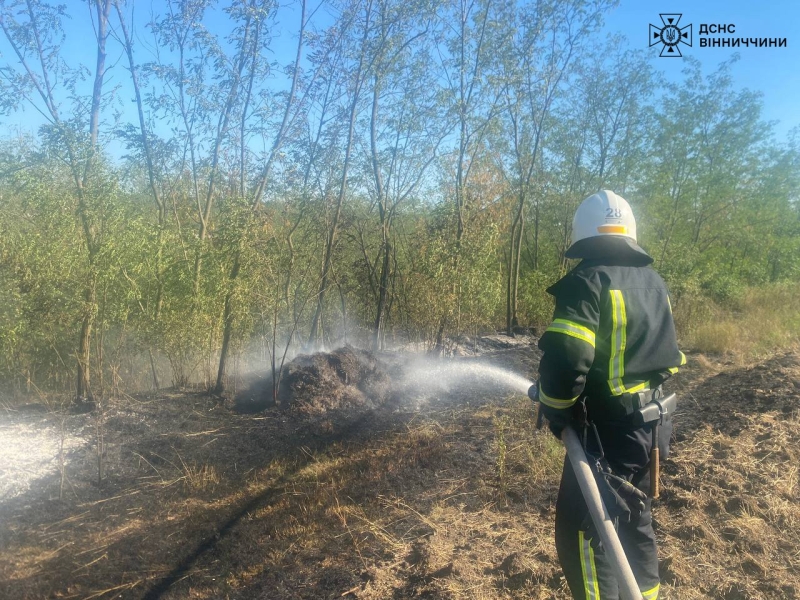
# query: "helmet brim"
618, 247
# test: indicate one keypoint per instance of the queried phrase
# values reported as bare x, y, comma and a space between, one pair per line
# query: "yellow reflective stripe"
616, 364
573, 329
591, 586
555, 402
618, 229
637, 388
674, 370
652, 593
669, 303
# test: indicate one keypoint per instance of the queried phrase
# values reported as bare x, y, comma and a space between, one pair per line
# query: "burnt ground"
442, 493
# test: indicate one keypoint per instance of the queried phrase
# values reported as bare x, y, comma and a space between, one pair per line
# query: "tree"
405, 130
599, 135
705, 149
355, 57
32, 29
470, 30
289, 113
546, 38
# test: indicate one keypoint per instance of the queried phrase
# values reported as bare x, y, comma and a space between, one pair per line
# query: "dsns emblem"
671, 35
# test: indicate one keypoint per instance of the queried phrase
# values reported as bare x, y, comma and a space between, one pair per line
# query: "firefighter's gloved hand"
557, 418
590, 533
634, 498
533, 392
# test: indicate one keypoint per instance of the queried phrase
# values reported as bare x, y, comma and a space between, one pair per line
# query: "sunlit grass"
764, 320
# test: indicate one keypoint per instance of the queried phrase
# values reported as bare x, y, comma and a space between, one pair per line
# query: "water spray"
444, 374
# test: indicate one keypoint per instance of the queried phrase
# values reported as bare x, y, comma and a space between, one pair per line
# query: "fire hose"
652, 413
628, 588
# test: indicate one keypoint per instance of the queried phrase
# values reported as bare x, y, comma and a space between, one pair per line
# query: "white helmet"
603, 213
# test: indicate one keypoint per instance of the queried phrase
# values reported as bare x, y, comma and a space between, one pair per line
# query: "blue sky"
772, 71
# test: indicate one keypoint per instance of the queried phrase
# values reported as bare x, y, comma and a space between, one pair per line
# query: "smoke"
30, 450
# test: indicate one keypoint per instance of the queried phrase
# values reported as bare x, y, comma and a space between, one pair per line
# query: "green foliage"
215, 226
725, 290
536, 305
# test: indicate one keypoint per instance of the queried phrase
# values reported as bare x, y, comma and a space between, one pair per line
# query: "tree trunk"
383, 288
84, 389
151, 173
536, 224
507, 260
514, 256
384, 217
228, 327
205, 213
314, 335
515, 287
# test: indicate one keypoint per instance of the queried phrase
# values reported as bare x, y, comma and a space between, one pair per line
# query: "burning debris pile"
347, 379
348, 382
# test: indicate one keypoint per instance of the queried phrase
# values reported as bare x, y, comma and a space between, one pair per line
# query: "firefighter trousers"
588, 572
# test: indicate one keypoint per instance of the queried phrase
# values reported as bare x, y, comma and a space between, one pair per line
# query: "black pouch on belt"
622, 408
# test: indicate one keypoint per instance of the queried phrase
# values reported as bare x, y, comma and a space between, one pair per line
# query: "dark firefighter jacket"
612, 332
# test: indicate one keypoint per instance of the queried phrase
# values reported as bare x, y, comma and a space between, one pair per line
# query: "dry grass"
200, 478
455, 501
763, 321
478, 532
730, 530
415, 504
730, 509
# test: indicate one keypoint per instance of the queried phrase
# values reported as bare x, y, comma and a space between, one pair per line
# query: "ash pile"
345, 380
341, 385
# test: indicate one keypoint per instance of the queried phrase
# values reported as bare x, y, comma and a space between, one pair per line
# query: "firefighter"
608, 350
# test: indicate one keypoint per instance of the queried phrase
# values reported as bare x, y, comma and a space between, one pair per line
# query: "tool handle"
655, 472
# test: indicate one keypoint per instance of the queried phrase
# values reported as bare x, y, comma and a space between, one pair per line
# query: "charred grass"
199, 502
451, 500
729, 513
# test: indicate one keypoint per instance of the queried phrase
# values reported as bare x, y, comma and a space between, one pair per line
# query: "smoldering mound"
346, 379
349, 382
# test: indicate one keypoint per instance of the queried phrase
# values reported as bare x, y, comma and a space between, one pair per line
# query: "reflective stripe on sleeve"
652, 593
573, 329
590, 584
637, 388
555, 402
674, 370
616, 364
